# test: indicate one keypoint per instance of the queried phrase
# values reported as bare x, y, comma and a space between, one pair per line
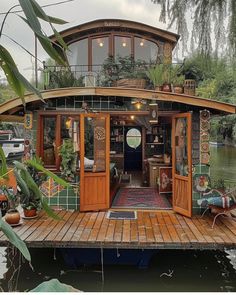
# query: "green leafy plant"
68, 160
155, 75
64, 78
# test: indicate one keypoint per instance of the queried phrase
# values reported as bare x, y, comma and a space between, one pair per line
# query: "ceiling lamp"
101, 44
141, 43
124, 44
137, 102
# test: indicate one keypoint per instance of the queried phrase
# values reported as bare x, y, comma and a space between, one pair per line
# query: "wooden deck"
151, 230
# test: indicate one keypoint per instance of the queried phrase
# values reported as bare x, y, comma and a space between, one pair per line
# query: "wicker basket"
189, 87
131, 83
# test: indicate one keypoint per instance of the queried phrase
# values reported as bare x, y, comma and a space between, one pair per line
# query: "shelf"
153, 143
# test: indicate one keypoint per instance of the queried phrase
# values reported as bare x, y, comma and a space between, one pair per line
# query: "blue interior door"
133, 148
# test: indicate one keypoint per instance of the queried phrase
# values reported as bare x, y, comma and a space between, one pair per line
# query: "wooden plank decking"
151, 230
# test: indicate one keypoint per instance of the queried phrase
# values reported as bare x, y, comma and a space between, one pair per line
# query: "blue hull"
76, 257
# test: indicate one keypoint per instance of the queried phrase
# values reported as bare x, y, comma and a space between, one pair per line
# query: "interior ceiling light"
124, 44
141, 43
101, 44
132, 117
137, 102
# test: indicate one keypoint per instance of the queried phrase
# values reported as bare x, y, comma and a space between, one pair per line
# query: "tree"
217, 17
33, 15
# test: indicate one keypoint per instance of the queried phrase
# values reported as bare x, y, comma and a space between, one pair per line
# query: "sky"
75, 12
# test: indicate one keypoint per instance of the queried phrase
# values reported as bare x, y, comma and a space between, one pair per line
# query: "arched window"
145, 50
78, 55
100, 47
122, 46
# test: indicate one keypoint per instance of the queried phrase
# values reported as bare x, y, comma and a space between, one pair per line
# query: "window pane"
78, 56
145, 50
122, 46
49, 136
133, 138
99, 51
181, 147
95, 144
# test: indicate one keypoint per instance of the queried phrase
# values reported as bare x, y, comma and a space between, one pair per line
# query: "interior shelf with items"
117, 146
157, 140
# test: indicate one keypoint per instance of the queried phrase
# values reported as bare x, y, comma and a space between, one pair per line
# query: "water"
169, 271
223, 164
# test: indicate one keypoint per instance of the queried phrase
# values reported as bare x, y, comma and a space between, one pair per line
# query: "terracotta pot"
178, 89
30, 212
158, 88
12, 216
166, 87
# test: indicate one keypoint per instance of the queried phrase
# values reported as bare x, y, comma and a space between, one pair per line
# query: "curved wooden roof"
218, 107
106, 25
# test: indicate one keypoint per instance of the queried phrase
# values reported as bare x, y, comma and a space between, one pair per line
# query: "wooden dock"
151, 230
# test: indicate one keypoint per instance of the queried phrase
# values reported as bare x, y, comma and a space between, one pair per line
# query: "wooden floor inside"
151, 230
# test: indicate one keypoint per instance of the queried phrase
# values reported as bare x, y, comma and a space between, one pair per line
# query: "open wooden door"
182, 163
94, 162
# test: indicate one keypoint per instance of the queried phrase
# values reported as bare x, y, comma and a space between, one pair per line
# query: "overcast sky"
75, 12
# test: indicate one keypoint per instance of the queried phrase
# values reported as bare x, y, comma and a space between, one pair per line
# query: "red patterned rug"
143, 198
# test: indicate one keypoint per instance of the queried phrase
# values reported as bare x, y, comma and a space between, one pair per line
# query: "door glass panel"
181, 147
49, 136
95, 144
133, 138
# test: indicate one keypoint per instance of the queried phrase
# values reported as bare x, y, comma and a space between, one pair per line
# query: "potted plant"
109, 73
29, 191
155, 75
167, 78
12, 216
178, 84
68, 160
132, 74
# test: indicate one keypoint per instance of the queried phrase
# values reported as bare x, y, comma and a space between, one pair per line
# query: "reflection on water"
3, 262
170, 270
223, 164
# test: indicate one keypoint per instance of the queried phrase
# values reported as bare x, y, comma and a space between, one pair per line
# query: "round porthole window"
133, 138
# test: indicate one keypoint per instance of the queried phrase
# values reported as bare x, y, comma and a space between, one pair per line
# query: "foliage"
206, 14
33, 13
126, 67
11, 196
31, 195
68, 159
155, 74
54, 286
64, 78
14, 239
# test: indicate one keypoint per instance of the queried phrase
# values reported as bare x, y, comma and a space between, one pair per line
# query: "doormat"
130, 215
140, 198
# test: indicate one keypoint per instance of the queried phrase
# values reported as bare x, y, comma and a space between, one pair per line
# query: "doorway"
133, 148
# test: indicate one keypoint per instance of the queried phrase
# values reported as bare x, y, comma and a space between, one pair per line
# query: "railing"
104, 75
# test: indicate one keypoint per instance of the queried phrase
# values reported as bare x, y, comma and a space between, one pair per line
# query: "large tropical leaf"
22, 184
14, 239
54, 286
3, 162
39, 167
35, 189
7, 63
41, 14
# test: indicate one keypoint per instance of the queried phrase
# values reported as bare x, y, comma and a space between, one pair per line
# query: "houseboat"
12, 147
136, 147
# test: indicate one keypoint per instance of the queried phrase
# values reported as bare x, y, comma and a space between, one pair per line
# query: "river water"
169, 270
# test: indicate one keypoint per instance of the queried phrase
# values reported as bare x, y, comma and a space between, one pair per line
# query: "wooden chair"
221, 210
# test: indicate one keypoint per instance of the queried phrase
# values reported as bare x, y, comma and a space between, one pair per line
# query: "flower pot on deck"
166, 87
30, 213
12, 216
